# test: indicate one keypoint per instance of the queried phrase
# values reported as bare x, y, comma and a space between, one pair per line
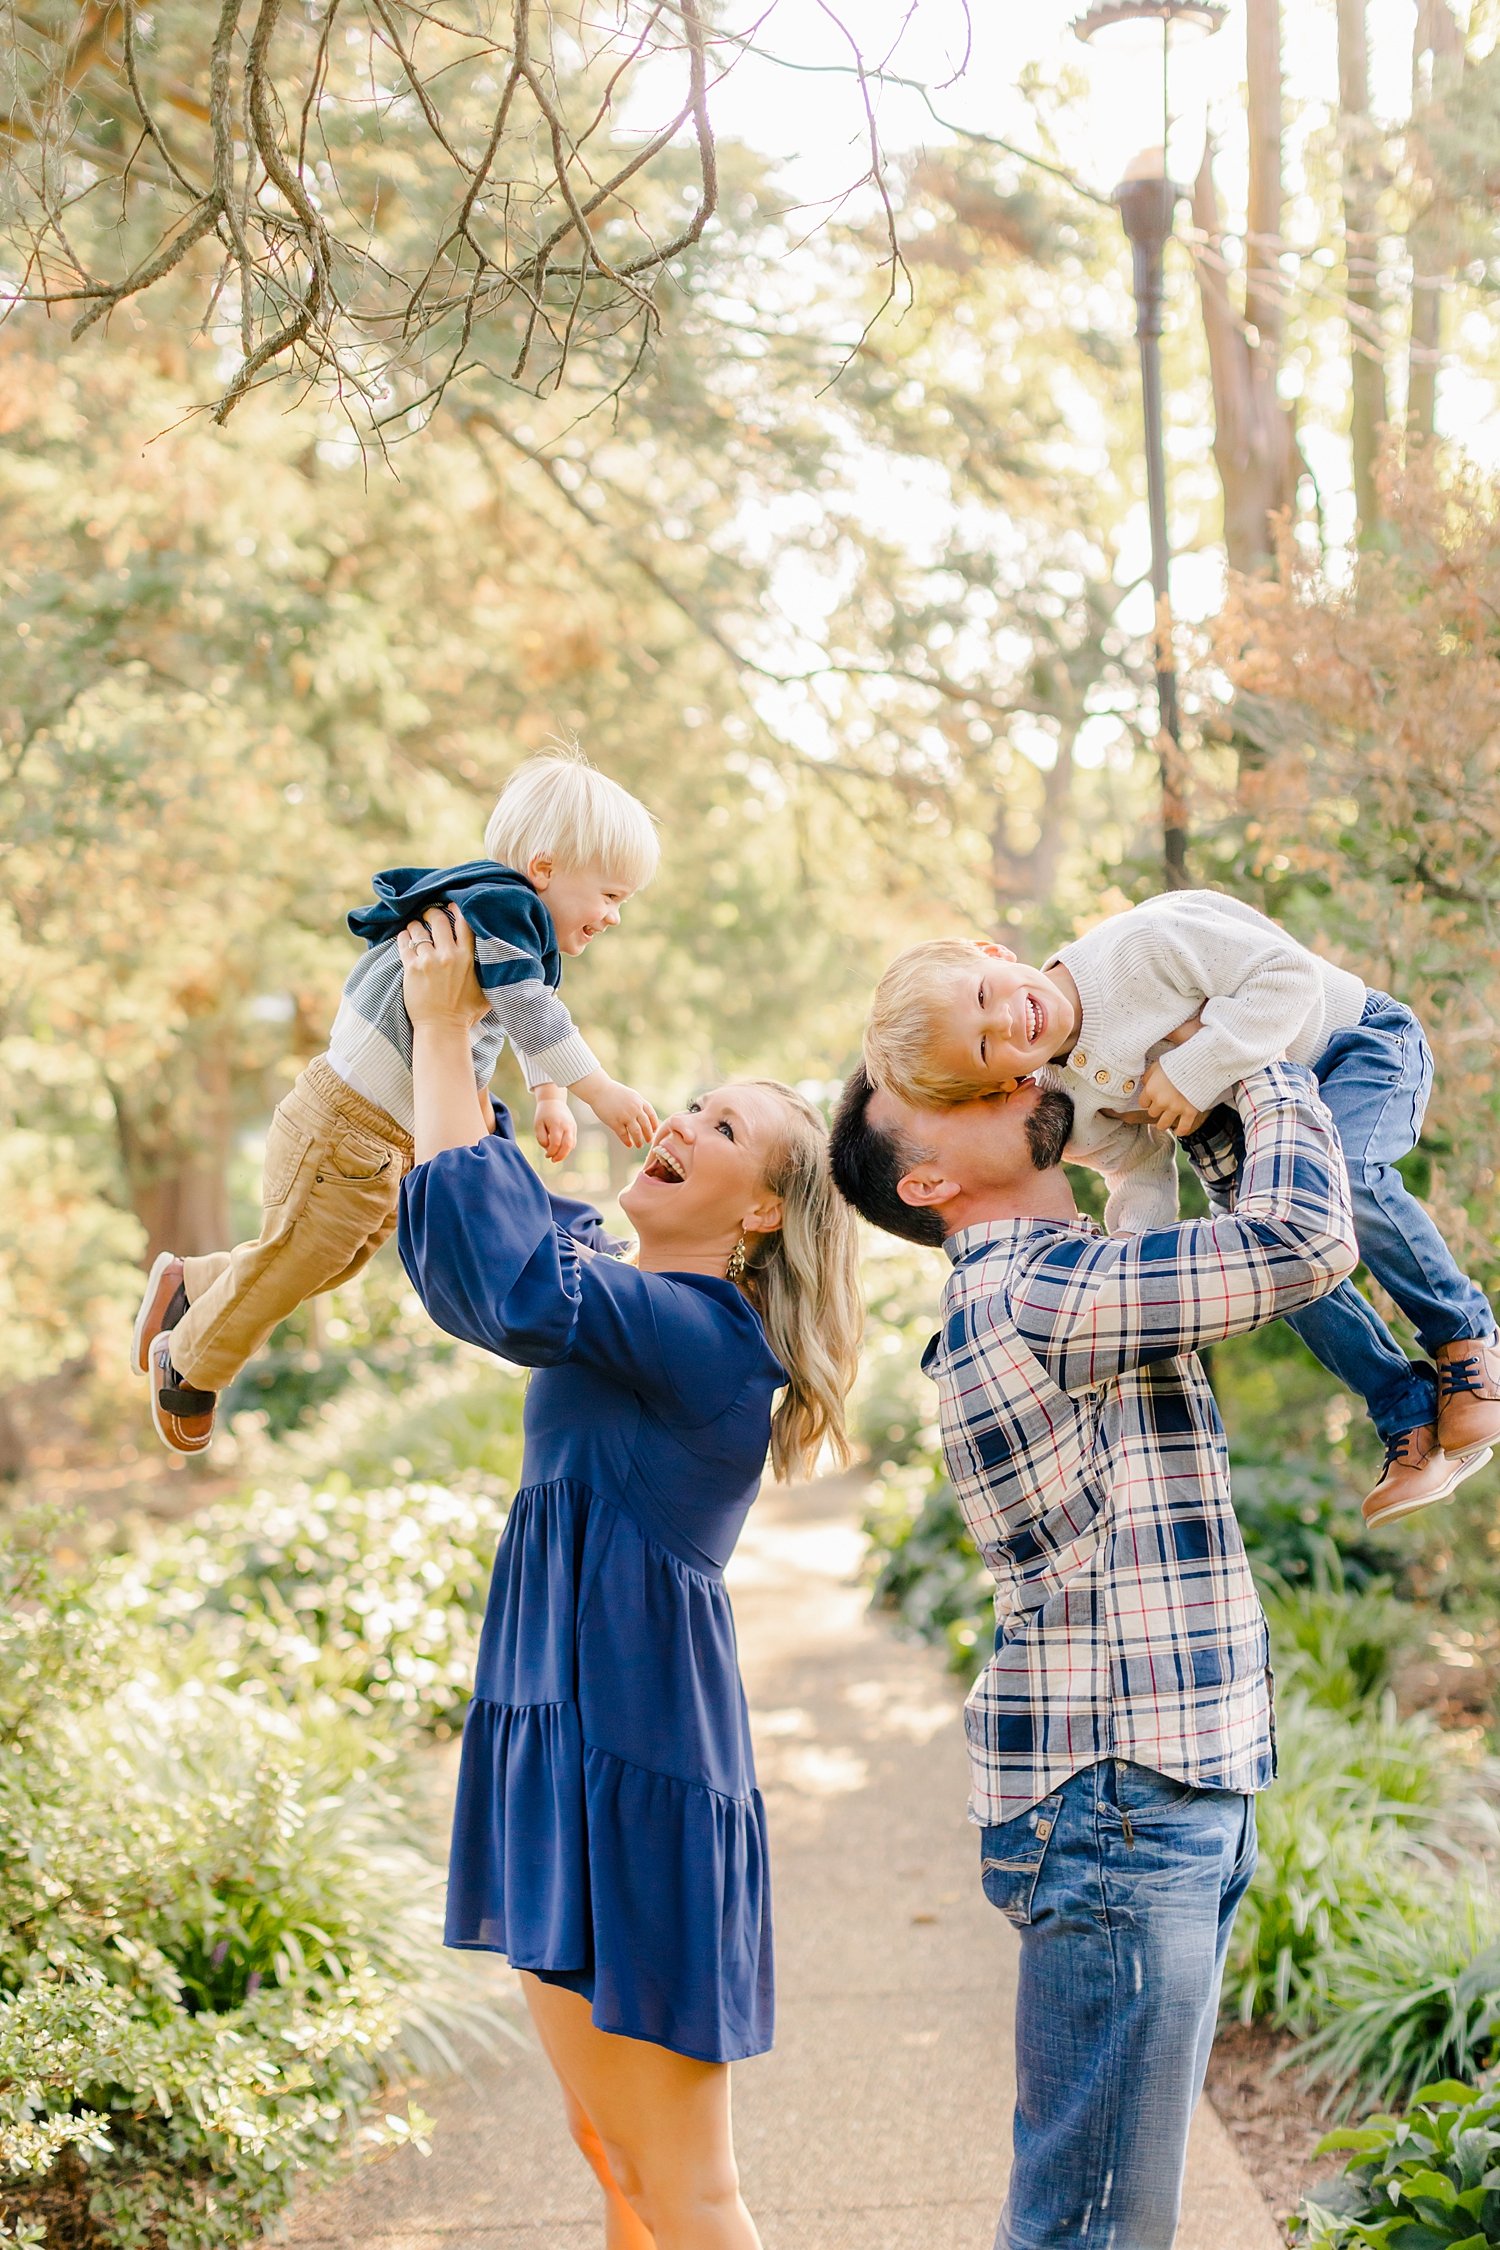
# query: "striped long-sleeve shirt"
1084, 1444
515, 958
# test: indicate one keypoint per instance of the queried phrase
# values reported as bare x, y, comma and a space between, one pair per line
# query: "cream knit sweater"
1144, 972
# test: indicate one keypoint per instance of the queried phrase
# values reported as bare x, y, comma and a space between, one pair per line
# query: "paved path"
882, 2120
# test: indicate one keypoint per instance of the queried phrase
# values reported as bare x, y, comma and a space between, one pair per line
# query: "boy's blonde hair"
560, 805
907, 1017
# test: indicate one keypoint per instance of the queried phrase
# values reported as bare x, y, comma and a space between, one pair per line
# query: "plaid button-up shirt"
1086, 1449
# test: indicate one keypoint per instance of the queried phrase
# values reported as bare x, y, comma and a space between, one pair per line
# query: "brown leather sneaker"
182, 1416
162, 1306
1417, 1472
1468, 1393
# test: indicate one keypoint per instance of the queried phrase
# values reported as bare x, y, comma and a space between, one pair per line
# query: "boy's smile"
583, 901
1004, 1020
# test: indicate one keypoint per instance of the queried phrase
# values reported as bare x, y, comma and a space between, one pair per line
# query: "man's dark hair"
867, 1164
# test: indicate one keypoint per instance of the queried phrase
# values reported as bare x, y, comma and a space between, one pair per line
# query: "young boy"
565, 848
955, 1019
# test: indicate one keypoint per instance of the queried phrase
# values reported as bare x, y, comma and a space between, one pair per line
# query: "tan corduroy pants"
332, 1179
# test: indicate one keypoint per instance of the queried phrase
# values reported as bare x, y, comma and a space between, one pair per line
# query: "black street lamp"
1147, 200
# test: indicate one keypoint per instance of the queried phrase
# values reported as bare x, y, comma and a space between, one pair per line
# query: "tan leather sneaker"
182, 1415
162, 1306
1417, 1472
1468, 1393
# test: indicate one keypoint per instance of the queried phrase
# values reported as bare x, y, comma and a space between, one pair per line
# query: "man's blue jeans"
1123, 1885
1376, 1078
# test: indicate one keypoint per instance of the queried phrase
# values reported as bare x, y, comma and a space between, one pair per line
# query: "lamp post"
1147, 200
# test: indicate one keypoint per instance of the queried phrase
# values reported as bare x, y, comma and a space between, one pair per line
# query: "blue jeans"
1124, 1886
1375, 1079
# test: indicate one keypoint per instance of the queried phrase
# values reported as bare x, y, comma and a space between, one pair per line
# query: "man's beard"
1049, 1128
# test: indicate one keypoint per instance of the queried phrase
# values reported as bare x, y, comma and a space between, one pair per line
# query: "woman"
608, 1836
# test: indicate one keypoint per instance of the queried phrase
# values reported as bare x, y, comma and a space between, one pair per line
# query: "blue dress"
608, 1833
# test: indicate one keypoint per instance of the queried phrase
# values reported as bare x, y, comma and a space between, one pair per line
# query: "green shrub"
1294, 1514
893, 1411
454, 1420
1349, 1830
216, 1939
1426, 2181
375, 1596
1418, 1999
1338, 1646
372, 1333
925, 1566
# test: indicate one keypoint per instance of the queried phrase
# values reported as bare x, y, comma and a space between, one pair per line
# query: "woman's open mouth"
1036, 1019
662, 1165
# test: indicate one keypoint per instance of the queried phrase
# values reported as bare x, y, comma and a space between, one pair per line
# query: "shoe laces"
1400, 1451
1462, 1378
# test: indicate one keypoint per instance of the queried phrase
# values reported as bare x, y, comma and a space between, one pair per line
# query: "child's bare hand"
628, 1114
1165, 1106
555, 1127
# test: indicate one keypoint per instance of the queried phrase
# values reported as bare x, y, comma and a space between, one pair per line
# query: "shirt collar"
990, 1233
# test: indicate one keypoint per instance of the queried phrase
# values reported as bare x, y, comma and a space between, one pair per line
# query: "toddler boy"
565, 848
955, 1020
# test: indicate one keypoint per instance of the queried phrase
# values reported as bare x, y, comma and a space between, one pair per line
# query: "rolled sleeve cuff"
1204, 1080
561, 1064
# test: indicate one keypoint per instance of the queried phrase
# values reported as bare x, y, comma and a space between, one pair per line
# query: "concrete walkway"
882, 2120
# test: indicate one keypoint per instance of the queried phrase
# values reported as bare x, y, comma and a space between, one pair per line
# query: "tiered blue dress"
608, 1833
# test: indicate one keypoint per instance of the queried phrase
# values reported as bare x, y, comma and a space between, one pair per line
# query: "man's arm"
1090, 1310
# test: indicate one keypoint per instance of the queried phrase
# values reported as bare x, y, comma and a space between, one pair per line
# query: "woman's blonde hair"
908, 1016
560, 805
803, 1280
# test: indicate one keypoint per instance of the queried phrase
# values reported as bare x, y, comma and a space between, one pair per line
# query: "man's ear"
925, 1188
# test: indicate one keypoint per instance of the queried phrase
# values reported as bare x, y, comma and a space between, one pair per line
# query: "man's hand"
628, 1114
554, 1124
1165, 1106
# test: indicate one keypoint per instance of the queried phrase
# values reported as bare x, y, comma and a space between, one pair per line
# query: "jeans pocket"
1012, 1859
1142, 1794
355, 1157
286, 1147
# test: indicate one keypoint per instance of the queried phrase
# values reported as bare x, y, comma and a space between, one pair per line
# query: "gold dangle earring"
735, 1270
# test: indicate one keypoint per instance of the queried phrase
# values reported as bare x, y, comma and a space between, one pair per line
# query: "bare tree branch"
357, 187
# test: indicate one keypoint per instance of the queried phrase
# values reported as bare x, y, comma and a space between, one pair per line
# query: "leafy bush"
1426, 2181
1295, 1515
1348, 1833
926, 1567
216, 1940
1419, 1998
372, 1332
372, 1595
1338, 1646
894, 1407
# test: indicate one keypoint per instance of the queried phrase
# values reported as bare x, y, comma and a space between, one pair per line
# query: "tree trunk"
1255, 442
1023, 876
1439, 46
1361, 161
175, 1144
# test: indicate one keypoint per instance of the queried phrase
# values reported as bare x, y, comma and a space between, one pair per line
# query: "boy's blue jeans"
1124, 1886
1375, 1079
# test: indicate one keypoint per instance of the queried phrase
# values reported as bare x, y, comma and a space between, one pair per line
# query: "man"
1119, 1732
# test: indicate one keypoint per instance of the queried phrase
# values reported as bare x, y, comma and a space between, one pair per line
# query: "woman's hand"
444, 1003
437, 958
